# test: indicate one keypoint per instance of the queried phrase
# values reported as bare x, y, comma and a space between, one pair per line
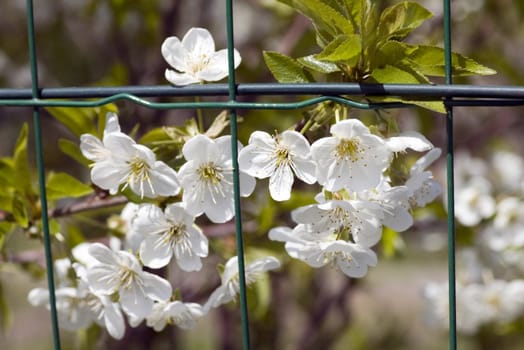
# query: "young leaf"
73, 150
22, 175
7, 172
397, 21
312, 63
325, 17
286, 69
62, 185
78, 120
342, 49
429, 60
395, 75
19, 212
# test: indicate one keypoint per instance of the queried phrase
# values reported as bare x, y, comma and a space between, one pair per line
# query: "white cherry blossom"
474, 202
207, 178
120, 272
230, 286
317, 251
352, 158
421, 184
183, 315
194, 58
278, 158
118, 160
343, 219
170, 233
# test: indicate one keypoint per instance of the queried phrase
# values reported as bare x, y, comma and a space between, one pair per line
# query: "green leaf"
78, 120
429, 60
22, 175
19, 211
318, 66
6, 201
343, 48
7, 172
325, 17
286, 69
397, 21
395, 75
72, 149
62, 185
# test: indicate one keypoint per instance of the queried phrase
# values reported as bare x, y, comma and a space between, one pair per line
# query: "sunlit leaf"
342, 49
397, 21
62, 185
286, 69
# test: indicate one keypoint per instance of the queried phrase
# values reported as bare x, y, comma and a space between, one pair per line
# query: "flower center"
282, 155
210, 173
348, 149
199, 63
126, 277
332, 258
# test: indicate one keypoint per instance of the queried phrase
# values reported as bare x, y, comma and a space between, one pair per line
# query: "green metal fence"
452, 95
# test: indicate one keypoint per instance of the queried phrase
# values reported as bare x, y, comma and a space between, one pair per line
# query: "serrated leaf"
62, 185
19, 211
429, 60
318, 66
343, 48
397, 21
286, 69
72, 150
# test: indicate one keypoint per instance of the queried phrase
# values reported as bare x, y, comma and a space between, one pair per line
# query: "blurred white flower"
352, 158
194, 58
183, 315
509, 170
474, 202
120, 272
169, 233
120, 160
207, 178
230, 286
278, 158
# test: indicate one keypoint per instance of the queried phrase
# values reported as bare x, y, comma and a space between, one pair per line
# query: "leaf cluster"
360, 44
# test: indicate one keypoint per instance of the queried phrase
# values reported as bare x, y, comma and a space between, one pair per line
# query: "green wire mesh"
453, 95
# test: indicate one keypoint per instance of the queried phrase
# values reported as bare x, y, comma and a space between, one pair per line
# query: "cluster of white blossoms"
357, 197
490, 287
481, 299
109, 284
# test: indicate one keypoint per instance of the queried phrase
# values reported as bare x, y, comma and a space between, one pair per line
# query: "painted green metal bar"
232, 105
437, 91
41, 177
236, 177
450, 183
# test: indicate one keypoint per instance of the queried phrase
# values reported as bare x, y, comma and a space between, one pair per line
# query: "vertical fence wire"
236, 177
41, 176
450, 182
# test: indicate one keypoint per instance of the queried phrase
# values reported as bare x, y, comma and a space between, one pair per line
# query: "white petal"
112, 124
180, 79
102, 279
102, 253
189, 262
409, 139
155, 255
114, 321
198, 41
280, 183
164, 179
264, 264
305, 170
349, 128
156, 287
175, 54
134, 302
93, 149
216, 68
